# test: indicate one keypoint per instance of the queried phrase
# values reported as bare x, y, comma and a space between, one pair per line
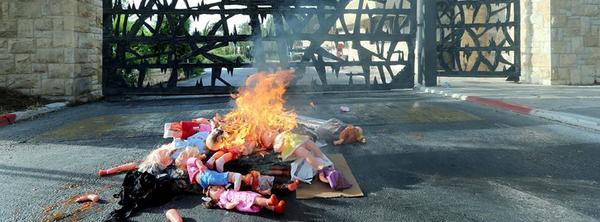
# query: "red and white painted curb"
568, 118
12, 118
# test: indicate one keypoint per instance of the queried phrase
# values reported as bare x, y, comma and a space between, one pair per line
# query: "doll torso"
245, 198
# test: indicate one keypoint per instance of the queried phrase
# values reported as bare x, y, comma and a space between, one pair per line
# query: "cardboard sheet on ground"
319, 189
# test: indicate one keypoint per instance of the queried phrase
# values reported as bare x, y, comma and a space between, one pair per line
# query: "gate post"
429, 56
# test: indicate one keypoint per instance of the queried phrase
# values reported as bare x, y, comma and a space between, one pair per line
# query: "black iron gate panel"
161, 46
478, 38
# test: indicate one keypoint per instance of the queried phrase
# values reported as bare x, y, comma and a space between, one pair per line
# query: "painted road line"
499, 104
567, 118
12, 118
7, 119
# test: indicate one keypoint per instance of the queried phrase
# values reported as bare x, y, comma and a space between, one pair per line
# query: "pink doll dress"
246, 199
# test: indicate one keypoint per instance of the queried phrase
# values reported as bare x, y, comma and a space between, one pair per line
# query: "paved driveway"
427, 159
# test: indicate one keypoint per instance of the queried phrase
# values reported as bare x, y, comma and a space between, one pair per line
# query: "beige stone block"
25, 9
61, 71
43, 24
4, 9
82, 25
22, 81
540, 59
62, 7
86, 10
40, 68
3, 81
591, 40
575, 77
88, 70
87, 42
43, 43
81, 86
6, 56
42, 34
69, 87
69, 22
7, 67
49, 56
70, 55
58, 24
8, 29
21, 46
559, 21
23, 64
25, 28
577, 44
53, 87
64, 39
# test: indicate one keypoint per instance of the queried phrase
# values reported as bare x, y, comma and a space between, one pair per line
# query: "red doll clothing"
245, 198
184, 129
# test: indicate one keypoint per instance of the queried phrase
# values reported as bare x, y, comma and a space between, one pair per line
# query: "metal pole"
430, 42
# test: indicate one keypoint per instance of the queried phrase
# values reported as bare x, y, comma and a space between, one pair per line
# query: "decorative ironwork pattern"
151, 48
478, 38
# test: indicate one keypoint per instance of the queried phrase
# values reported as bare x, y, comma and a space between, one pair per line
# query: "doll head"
267, 138
158, 159
278, 143
187, 153
214, 138
361, 138
214, 192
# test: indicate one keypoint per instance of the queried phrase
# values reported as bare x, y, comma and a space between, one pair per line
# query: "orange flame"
259, 109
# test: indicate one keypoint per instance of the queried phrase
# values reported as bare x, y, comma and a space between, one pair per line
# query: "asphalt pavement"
426, 159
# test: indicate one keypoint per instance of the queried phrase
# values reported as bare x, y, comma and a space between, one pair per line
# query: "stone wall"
51, 48
575, 41
560, 42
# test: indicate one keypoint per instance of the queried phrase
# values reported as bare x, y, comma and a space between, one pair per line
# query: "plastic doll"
333, 130
350, 134
185, 129
222, 154
158, 160
88, 197
242, 201
173, 215
200, 174
292, 146
118, 169
264, 184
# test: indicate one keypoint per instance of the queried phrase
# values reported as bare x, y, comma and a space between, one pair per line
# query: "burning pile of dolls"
244, 161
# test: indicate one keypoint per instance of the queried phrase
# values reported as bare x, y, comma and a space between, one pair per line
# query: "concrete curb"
12, 118
568, 118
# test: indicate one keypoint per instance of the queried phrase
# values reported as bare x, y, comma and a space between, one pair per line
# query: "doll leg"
236, 179
222, 160
344, 135
293, 186
313, 148
277, 172
118, 169
266, 202
302, 152
213, 158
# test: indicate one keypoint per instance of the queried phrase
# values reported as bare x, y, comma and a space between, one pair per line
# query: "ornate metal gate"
478, 38
158, 47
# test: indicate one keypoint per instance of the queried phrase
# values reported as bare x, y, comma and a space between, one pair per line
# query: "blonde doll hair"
187, 153
157, 160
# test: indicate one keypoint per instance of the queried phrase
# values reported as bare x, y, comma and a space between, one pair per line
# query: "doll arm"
231, 205
265, 192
